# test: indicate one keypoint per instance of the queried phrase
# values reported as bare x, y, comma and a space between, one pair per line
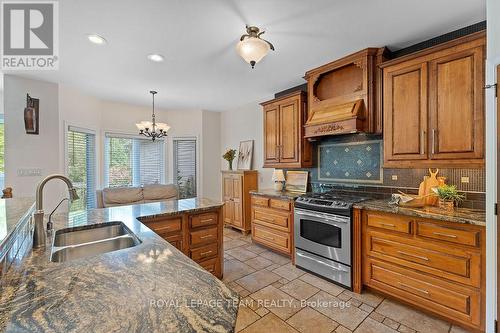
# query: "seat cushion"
160, 192
116, 196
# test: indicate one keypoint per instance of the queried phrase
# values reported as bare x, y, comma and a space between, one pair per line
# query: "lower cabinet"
432, 265
198, 236
272, 223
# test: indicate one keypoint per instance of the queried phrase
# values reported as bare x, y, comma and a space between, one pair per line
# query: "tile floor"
278, 297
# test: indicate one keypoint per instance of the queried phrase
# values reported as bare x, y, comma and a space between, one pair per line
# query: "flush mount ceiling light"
251, 47
152, 129
155, 57
96, 39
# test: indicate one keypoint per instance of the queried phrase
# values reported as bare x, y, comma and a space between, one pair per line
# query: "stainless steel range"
323, 235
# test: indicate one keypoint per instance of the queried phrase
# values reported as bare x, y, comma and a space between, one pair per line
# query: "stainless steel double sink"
79, 242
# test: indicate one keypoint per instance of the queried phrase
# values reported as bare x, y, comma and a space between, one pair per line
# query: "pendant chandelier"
152, 129
251, 47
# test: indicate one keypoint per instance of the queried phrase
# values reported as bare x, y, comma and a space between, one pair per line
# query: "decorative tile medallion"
351, 162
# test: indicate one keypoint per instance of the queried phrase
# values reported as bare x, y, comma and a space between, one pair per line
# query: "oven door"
324, 234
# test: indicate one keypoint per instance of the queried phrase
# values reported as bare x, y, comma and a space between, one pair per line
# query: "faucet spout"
39, 238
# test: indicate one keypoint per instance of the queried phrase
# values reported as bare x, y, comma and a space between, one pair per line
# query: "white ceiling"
198, 37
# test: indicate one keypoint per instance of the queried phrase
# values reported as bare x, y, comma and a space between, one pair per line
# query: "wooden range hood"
344, 95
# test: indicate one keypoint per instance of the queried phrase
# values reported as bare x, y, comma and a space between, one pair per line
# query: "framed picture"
245, 155
296, 181
31, 115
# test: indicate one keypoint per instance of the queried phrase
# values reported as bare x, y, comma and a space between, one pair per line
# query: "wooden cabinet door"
227, 196
289, 144
237, 202
405, 113
271, 134
456, 105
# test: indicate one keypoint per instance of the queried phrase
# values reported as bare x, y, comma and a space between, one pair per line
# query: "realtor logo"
30, 35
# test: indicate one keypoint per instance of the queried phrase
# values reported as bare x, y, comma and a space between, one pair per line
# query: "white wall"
246, 123
24, 151
211, 155
493, 59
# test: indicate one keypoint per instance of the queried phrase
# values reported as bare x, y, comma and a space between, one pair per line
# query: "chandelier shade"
252, 48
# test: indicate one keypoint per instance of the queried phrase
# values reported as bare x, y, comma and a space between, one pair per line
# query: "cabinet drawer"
271, 218
448, 234
203, 220
204, 236
459, 266
390, 222
163, 227
210, 265
280, 204
448, 299
275, 239
260, 201
176, 240
204, 252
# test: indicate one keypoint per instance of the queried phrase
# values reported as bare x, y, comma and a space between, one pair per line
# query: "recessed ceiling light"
155, 57
96, 39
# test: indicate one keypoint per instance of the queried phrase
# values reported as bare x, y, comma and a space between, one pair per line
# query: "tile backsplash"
354, 162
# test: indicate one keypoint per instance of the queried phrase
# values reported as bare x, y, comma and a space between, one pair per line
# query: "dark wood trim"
356, 251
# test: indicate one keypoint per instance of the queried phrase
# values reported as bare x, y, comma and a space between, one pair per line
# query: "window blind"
185, 167
81, 166
132, 161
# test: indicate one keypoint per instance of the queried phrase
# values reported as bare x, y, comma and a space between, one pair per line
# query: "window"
81, 166
133, 161
185, 167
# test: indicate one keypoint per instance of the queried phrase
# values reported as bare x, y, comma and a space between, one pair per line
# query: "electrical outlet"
394, 177
464, 180
29, 172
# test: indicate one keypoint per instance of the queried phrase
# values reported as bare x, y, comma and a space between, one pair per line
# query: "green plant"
449, 193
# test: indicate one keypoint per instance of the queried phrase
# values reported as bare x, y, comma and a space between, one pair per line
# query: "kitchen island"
151, 287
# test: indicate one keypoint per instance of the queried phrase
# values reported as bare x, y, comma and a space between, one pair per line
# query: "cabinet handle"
206, 220
422, 143
204, 253
388, 224
206, 236
413, 255
434, 141
444, 235
411, 287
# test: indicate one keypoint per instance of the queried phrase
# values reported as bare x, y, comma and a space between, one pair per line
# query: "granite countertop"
151, 287
269, 192
459, 215
13, 211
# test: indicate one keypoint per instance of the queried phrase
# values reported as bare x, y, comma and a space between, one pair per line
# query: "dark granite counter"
459, 215
151, 287
277, 194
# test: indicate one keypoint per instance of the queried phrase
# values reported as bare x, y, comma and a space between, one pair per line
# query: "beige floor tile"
368, 297
377, 316
235, 269
258, 280
277, 301
258, 262
342, 329
276, 258
412, 318
273, 267
249, 303
289, 271
308, 320
270, 323
299, 289
241, 254
456, 329
245, 317
391, 323
373, 326
256, 248
232, 243
366, 307
322, 284
406, 329
262, 311
337, 310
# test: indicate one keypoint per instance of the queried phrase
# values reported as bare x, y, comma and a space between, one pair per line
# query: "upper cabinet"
284, 142
344, 95
434, 106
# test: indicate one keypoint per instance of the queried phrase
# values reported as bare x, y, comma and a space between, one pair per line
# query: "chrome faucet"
39, 238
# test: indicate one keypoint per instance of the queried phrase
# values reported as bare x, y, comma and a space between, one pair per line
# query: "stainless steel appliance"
323, 235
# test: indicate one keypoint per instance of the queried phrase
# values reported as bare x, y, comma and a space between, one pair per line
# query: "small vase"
447, 205
230, 165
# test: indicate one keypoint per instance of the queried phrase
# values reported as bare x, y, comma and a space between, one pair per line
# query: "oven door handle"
320, 216
322, 262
